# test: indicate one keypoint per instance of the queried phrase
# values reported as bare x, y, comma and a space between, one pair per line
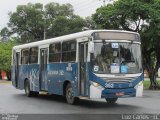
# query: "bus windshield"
120, 58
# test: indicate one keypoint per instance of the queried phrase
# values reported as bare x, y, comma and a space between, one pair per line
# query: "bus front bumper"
96, 92
114, 93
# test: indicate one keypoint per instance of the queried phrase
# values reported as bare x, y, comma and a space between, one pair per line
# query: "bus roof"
66, 37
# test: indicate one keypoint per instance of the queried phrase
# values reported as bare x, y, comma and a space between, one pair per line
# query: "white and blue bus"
91, 64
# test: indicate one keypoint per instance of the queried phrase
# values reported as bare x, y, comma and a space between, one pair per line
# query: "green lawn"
5, 82
146, 83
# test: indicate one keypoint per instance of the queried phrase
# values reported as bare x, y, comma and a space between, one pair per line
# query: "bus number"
109, 85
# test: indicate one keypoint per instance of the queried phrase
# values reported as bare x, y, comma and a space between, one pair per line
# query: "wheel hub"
70, 94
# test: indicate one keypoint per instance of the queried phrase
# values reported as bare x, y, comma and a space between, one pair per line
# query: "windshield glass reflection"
122, 58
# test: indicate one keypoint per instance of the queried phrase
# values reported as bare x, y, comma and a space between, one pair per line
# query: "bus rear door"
17, 62
43, 69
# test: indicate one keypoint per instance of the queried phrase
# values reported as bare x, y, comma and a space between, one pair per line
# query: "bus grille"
119, 80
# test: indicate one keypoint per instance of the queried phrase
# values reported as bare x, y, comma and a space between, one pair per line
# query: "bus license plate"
120, 94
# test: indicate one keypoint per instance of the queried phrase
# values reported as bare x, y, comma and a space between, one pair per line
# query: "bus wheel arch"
25, 80
66, 82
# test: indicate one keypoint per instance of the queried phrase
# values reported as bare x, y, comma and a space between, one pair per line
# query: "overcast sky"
82, 7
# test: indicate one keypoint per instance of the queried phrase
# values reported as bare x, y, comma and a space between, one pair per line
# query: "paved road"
14, 101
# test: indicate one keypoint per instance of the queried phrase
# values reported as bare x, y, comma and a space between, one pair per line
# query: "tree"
60, 20
90, 23
4, 33
63, 25
5, 56
31, 21
27, 22
141, 16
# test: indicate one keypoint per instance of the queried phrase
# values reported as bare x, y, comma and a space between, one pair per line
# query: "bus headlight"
95, 90
97, 85
139, 84
139, 89
94, 84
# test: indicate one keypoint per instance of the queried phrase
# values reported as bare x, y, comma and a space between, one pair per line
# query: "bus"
92, 64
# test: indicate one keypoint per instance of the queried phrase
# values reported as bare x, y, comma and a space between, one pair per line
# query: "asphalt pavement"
14, 101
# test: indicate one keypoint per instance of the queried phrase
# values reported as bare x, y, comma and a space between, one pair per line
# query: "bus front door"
83, 81
17, 61
43, 69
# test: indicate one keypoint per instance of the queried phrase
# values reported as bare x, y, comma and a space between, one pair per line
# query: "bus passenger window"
33, 55
55, 52
25, 56
69, 51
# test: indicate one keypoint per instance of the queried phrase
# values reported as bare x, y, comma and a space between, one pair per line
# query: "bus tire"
34, 94
28, 92
27, 89
111, 100
69, 95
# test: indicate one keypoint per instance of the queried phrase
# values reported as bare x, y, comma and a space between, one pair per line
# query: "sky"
83, 8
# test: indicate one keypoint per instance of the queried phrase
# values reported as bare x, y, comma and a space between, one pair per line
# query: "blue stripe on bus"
57, 73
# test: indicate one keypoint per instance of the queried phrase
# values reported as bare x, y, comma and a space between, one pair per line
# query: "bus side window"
25, 56
69, 51
55, 52
33, 58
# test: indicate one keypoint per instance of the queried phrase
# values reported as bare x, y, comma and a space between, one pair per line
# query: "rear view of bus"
115, 65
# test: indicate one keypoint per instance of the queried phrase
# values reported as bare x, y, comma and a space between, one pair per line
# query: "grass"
5, 82
146, 83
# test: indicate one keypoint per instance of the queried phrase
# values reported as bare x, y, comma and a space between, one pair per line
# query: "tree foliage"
31, 21
141, 16
4, 33
5, 55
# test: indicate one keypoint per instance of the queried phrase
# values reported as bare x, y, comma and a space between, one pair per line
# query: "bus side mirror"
91, 47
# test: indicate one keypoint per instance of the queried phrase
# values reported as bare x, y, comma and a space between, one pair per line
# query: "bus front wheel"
111, 100
69, 95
